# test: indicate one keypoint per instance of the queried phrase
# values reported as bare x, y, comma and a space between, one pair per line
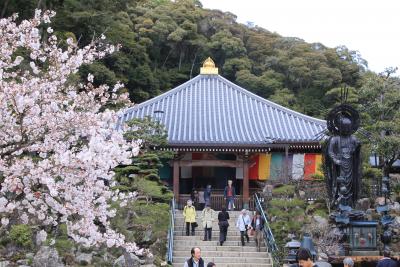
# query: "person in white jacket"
208, 216
243, 223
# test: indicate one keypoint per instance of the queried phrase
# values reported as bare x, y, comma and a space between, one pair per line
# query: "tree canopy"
165, 42
379, 102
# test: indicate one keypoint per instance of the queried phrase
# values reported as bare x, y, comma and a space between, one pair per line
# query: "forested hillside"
164, 43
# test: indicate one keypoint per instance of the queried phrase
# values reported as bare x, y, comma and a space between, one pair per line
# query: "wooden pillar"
246, 183
286, 167
176, 180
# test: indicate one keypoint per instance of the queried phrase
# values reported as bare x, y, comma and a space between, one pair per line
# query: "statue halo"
336, 115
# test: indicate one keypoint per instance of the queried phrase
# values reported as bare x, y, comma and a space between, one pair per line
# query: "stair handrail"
268, 235
170, 237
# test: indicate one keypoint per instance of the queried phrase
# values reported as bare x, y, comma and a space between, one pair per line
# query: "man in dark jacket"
386, 261
229, 195
195, 260
257, 223
223, 217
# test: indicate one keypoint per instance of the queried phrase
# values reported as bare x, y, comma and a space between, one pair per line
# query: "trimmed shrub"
21, 235
283, 191
287, 203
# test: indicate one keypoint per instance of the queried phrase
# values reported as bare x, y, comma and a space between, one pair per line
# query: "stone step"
235, 212
200, 231
225, 247
218, 260
189, 243
232, 224
199, 235
199, 219
199, 212
231, 227
231, 214
197, 238
231, 264
181, 223
198, 216
231, 254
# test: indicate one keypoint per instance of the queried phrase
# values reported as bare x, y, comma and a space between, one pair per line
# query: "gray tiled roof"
210, 110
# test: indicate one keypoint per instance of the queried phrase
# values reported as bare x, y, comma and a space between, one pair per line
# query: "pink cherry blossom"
57, 145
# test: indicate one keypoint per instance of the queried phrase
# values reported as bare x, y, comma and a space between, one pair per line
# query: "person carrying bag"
242, 224
189, 213
208, 217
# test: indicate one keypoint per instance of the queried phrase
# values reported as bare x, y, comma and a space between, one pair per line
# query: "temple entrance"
217, 177
197, 170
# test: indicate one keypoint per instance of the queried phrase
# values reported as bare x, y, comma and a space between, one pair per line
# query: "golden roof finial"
209, 67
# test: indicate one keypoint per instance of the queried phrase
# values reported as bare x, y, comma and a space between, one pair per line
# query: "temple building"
221, 131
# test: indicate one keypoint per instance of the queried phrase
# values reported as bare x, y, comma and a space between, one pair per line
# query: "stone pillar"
245, 183
176, 180
286, 167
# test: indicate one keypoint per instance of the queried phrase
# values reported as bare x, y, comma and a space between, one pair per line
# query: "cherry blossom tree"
58, 144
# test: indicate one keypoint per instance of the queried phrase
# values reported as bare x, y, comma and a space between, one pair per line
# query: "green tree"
285, 98
164, 43
152, 136
333, 97
380, 104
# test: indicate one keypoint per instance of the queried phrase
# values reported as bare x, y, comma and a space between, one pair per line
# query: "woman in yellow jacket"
189, 213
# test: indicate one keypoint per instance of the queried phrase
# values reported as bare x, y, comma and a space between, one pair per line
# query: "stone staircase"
231, 254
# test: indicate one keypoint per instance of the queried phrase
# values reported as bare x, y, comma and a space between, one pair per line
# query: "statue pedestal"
362, 235
357, 234
365, 253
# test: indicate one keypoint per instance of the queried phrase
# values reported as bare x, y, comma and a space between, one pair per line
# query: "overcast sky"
371, 27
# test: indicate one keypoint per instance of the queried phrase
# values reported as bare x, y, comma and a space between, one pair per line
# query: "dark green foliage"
150, 131
290, 215
21, 234
62, 230
64, 246
283, 191
317, 208
165, 42
396, 189
287, 216
396, 192
379, 102
4, 239
370, 178
145, 223
145, 165
142, 222
287, 203
146, 220
153, 190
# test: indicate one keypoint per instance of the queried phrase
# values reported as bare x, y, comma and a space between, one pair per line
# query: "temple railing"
268, 235
170, 238
217, 202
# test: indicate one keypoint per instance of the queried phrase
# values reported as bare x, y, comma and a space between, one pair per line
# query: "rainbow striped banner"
271, 166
